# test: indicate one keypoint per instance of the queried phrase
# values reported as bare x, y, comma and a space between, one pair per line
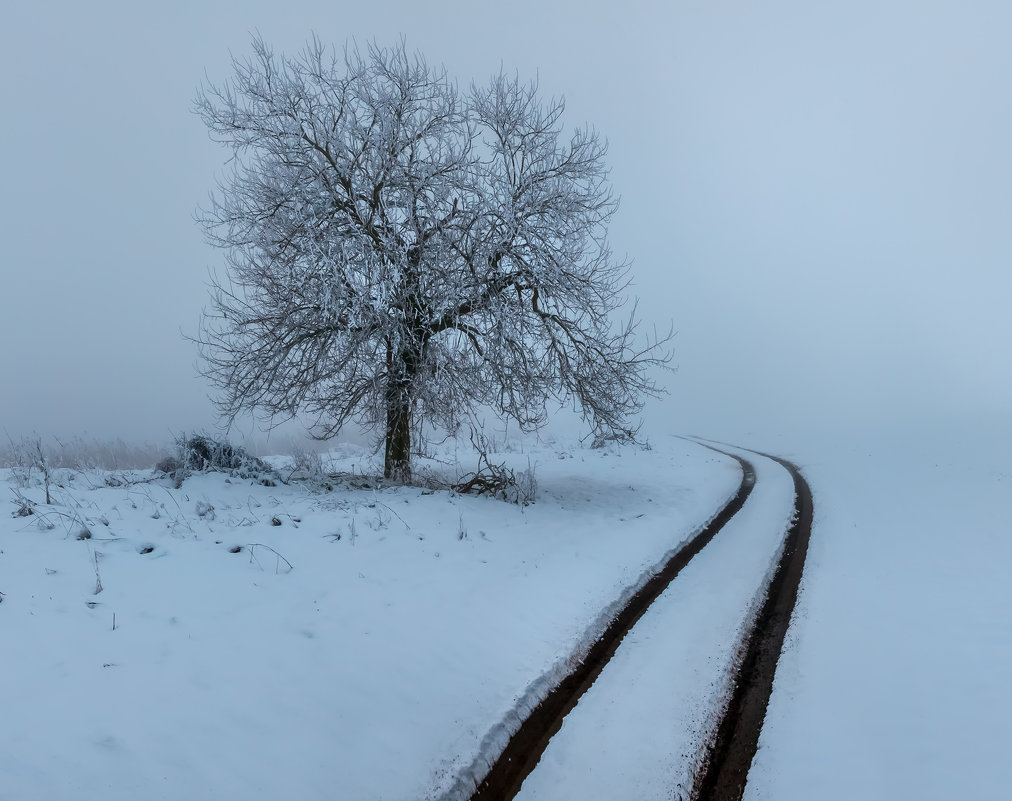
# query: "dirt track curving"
726, 766
526, 746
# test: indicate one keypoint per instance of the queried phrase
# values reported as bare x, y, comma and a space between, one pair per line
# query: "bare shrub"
76, 453
200, 453
25, 506
307, 464
497, 480
27, 456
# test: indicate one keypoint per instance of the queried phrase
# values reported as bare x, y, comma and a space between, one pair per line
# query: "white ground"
894, 681
380, 667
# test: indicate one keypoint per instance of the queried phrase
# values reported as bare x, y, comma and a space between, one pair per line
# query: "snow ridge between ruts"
495, 741
723, 698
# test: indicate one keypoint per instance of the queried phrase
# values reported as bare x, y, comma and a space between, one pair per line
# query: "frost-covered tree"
402, 252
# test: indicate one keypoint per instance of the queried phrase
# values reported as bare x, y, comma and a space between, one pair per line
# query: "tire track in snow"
525, 747
726, 765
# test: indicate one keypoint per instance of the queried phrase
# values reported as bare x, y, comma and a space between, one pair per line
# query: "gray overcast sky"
839, 173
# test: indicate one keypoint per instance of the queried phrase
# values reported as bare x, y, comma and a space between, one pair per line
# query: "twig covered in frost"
98, 577
253, 545
25, 505
389, 509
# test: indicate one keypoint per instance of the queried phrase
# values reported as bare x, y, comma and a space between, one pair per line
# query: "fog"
818, 198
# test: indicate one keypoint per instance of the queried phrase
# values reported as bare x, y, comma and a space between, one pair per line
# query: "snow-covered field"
381, 665
412, 627
894, 680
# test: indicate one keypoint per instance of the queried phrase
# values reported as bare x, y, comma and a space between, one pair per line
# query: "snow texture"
893, 681
383, 664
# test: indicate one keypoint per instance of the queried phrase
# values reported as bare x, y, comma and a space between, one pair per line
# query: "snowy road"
523, 751
641, 729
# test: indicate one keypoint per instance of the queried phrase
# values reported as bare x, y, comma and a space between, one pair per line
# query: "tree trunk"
397, 459
397, 462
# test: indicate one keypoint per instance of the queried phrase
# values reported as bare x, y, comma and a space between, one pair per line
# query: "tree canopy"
400, 251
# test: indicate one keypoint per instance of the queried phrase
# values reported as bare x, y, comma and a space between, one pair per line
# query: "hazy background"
818, 197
